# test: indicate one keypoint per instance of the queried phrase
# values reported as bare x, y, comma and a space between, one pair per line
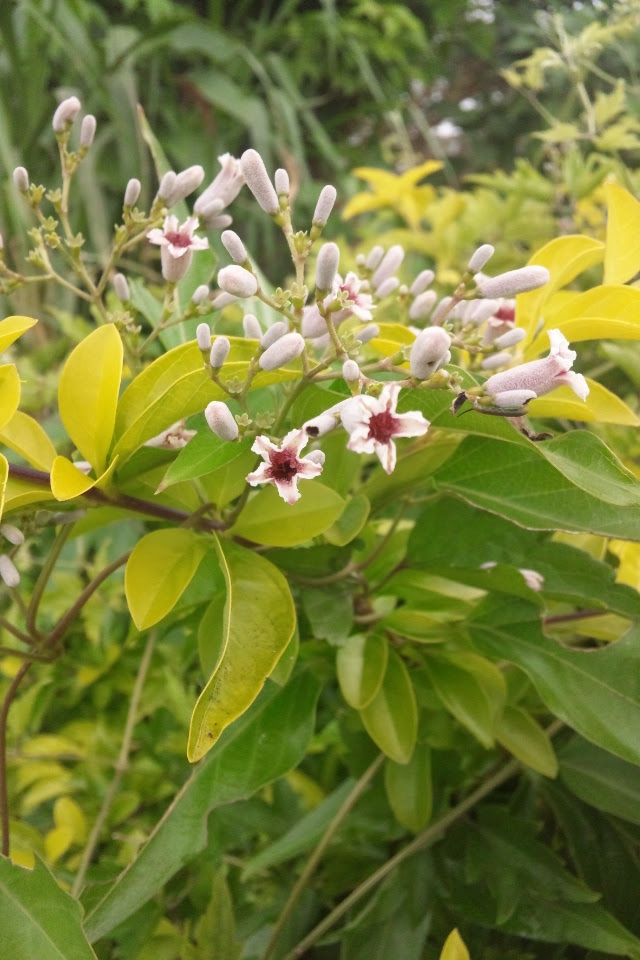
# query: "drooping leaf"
67, 482
391, 717
259, 621
361, 664
13, 327
622, 254
25, 436
525, 739
471, 688
409, 789
267, 519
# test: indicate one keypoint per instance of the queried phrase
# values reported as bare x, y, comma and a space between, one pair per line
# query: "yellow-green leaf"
361, 664
9, 392
21, 493
409, 789
601, 406
622, 256
350, 522
454, 948
158, 572
13, 327
4, 475
268, 520
471, 688
525, 739
391, 719
259, 621
88, 393
67, 482
25, 436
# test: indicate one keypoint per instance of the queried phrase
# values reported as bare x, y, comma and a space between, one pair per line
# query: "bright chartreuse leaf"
268, 520
13, 327
525, 739
361, 663
269, 740
622, 253
158, 572
399, 191
68, 482
88, 393
391, 718
454, 948
37, 917
472, 689
601, 406
4, 476
601, 779
25, 436
204, 454
9, 392
409, 789
259, 621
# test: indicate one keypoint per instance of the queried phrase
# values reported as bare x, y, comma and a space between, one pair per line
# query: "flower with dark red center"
373, 424
283, 466
177, 244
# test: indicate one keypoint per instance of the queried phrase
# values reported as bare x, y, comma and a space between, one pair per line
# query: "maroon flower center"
178, 239
284, 466
505, 313
382, 427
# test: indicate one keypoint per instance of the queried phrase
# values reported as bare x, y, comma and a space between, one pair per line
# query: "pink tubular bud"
185, 183
325, 422
327, 266
513, 399
387, 286
424, 279
350, 371
442, 310
167, 186
219, 223
251, 327
388, 265
429, 351
12, 534
8, 571
283, 351
132, 192
257, 179
121, 287
510, 338
209, 210
368, 333
422, 305
237, 281
496, 360
316, 456
225, 187
513, 282
200, 294
87, 130
174, 268
220, 420
481, 310
281, 179
65, 114
221, 300
482, 256
219, 352
374, 257
324, 206
21, 179
275, 331
203, 337
234, 246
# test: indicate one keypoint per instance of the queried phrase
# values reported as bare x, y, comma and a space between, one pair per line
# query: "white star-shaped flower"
283, 466
373, 424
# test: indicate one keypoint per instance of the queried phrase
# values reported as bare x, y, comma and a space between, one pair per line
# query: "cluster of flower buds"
222, 191
8, 570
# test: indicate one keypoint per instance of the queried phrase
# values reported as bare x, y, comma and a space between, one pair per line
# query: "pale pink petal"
264, 447
411, 424
358, 411
177, 252
389, 397
190, 225
576, 381
199, 243
308, 469
157, 236
288, 490
295, 440
170, 224
259, 475
386, 455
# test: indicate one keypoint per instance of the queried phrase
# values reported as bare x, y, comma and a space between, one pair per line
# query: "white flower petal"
288, 489
259, 475
411, 424
386, 455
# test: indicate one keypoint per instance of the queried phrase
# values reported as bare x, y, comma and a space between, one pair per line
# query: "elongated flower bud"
327, 266
513, 282
219, 223
284, 350
8, 571
87, 130
368, 333
220, 420
374, 257
350, 371
387, 286
237, 281
316, 456
121, 287
388, 265
203, 337
512, 399
200, 294
481, 310
275, 331
325, 422
167, 185
423, 305
185, 183
510, 338
65, 114
281, 180
429, 351
209, 210
424, 279
251, 327
21, 179
482, 256
257, 179
234, 246
496, 360
132, 192
223, 300
174, 268
324, 206
12, 534
219, 352
442, 310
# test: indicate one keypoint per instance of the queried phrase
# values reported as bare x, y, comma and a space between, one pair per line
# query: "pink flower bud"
65, 114
132, 192
219, 223
388, 265
167, 185
424, 279
386, 287
200, 294
350, 371
87, 131
281, 180
324, 206
222, 300
237, 281
284, 350
251, 327
121, 287
368, 333
513, 399
21, 179
542, 376
219, 352
325, 422
12, 534
327, 266
513, 282
481, 310
186, 182
221, 421
442, 310
496, 360
274, 332
257, 179
209, 210
429, 351
423, 305
482, 256
316, 456
510, 338
8, 571
374, 257
203, 337
234, 246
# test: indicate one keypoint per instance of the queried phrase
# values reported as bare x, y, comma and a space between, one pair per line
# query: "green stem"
4, 797
43, 579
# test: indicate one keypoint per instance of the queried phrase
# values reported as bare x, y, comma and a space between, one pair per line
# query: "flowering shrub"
343, 501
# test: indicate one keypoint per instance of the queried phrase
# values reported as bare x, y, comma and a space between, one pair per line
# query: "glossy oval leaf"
88, 393
204, 454
350, 522
13, 327
361, 664
472, 689
158, 572
526, 740
9, 392
268, 520
68, 482
622, 254
601, 779
391, 719
259, 621
409, 789
25, 436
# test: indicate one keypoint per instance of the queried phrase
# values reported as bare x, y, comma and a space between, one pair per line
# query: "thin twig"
43, 579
